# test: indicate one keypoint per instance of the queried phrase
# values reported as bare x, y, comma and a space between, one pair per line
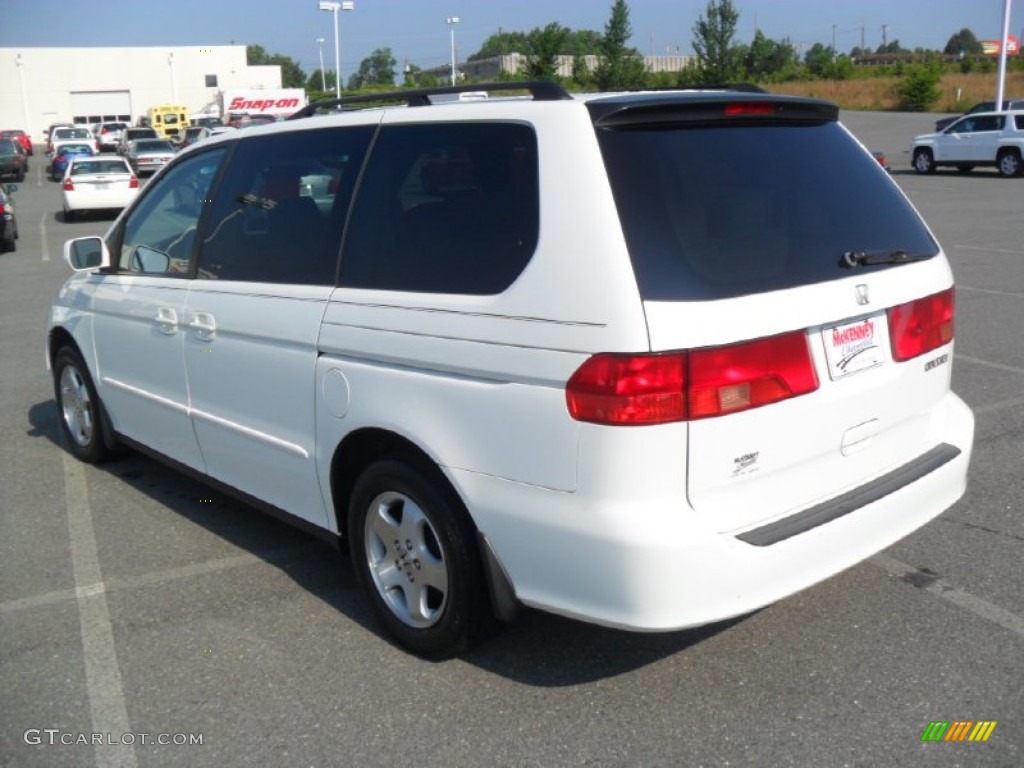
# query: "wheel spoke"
402, 551
76, 406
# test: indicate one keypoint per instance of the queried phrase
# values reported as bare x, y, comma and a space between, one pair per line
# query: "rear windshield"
716, 212
99, 166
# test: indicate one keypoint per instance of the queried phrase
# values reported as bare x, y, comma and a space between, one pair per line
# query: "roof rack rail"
738, 87
541, 90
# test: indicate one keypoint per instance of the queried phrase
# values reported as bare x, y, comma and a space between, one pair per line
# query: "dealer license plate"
855, 346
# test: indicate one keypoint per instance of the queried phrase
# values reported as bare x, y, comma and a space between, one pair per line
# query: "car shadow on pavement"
536, 649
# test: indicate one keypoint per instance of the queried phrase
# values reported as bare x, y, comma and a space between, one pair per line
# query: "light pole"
20, 63
323, 78
334, 7
174, 90
451, 21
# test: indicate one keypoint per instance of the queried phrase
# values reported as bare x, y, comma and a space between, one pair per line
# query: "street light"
174, 90
20, 63
323, 78
451, 21
334, 7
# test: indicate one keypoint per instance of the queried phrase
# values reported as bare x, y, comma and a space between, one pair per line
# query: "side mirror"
86, 253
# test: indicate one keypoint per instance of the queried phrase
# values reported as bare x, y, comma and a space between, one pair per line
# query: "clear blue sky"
416, 32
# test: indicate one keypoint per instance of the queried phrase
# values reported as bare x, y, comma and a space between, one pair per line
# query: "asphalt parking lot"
142, 613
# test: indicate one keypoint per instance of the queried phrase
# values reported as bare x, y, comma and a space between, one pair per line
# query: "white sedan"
98, 182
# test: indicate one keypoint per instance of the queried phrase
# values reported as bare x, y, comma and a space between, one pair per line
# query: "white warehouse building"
40, 86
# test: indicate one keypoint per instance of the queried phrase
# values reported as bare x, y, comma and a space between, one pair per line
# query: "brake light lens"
133, 182
748, 375
922, 325
69, 186
628, 389
749, 108
688, 385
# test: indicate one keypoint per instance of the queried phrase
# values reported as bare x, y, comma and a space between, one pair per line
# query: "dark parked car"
985, 106
190, 136
8, 222
24, 138
128, 135
13, 159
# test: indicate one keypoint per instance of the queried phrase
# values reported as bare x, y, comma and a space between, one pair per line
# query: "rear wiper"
852, 259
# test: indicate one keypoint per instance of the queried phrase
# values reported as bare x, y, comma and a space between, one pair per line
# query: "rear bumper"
656, 567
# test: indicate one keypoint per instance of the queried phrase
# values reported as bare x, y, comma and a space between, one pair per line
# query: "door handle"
204, 325
167, 319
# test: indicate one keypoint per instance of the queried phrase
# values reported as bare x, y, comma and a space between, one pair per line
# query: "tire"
923, 161
78, 407
1009, 164
21, 175
414, 552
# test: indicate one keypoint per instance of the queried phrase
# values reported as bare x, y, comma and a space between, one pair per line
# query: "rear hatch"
811, 304
102, 175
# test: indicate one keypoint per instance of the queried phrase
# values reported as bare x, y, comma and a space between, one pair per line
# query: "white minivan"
616, 357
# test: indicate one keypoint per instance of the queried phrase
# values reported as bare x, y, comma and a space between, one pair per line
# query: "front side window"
160, 231
280, 211
445, 208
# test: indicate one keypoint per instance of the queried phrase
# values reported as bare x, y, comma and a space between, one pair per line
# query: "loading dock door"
101, 106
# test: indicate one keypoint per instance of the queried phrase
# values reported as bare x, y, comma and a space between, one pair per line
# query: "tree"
581, 75
818, 59
292, 75
618, 66
376, 69
717, 59
919, 91
315, 83
543, 47
962, 42
500, 44
893, 47
767, 59
585, 42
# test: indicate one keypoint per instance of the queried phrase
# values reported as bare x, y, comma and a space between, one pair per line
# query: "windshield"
711, 212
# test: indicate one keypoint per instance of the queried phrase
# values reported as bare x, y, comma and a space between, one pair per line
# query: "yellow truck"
168, 120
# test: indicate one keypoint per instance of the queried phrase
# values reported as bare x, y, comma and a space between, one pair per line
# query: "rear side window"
280, 210
723, 211
445, 208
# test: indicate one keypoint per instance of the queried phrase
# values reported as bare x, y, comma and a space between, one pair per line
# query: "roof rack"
541, 90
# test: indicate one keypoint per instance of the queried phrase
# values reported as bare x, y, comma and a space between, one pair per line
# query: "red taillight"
69, 186
749, 108
628, 389
748, 375
133, 183
922, 325
695, 384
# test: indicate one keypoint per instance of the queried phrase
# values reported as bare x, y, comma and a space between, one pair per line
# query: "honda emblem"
862, 295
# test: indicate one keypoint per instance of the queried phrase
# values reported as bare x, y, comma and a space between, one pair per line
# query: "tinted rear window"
716, 212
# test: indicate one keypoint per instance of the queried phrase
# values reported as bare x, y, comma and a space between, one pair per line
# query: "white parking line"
936, 586
43, 244
154, 578
988, 363
989, 291
102, 673
985, 249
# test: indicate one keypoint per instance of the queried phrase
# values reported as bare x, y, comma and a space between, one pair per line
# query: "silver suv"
615, 356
